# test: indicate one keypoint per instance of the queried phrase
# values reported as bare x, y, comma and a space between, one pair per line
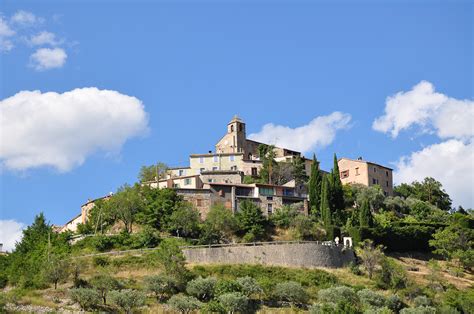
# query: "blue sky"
194, 64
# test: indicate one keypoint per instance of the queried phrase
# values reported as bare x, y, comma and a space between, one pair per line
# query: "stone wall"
306, 254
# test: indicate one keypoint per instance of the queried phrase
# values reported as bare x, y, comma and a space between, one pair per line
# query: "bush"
161, 285
234, 302
290, 291
213, 307
422, 300
341, 296
378, 310
104, 283
183, 303
394, 303
202, 288
370, 298
224, 286
419, 310
87, 298
127, 299
463, 301
391, 276
101, 261
103, 243
249, 286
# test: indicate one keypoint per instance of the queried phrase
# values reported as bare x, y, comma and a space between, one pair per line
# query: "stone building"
366, 173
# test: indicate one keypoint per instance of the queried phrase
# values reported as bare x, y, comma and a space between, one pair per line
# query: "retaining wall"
308, 254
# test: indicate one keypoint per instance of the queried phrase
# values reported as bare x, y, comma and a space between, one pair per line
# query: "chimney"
360, 158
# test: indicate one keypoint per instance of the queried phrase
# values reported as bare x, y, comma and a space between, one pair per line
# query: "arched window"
232, 128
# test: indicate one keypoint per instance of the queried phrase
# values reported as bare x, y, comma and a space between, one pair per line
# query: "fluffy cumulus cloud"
48, 58
43, 38
319, 132
452, 160
26, 19
432, 111
11, 232
62, 130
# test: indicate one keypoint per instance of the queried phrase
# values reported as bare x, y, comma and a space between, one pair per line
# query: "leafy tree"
339, 299
161, 285
404, 190
337, 193
370, 256
290, 291
299, 173
127, 299
365, 215
455, 241
250, 219
126, 203
249, 286
325, 210
173, 260
152, 172
224, 286
234, 302
392, 275
104, 283
371, 299
373, 194
284, 216
202, 288
282, 173
267, 155
314, 188
158, 206
185, 221
86, 297
56, 269
302, 227
183, 303
429, 190
220, 225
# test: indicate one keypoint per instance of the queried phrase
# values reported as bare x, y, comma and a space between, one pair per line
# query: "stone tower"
234, 140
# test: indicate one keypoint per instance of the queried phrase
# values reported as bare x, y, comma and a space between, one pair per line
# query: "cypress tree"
365, 215
337, 193
314, 187
325, 206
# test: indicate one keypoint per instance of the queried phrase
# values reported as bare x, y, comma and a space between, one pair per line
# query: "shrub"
104, 283
355, 269
103, 243
234, 302
370, 298
101, 261
183, 303
161, 285
224, 286
370, 256
378, 310
87, 298
419, 310
213, 307
391, 276
463, 301
290, 291
3, 302
337, 295
394, 303
127, 299
422, 300
249, 286
202, 288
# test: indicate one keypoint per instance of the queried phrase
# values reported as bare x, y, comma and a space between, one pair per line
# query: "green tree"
325, 210
173, 260
56, 269
291, 292
104, 283
86, 298
299, 173
250, 220
337, 194
314, 188
365, 215
152, 172
234, 302
455, 242
161, 286
127, 299
429, 190
370, 256
202, 288
220, 225
158, 206
302, 227
184, 304
126, 203
185, 221
249, 286
267, 155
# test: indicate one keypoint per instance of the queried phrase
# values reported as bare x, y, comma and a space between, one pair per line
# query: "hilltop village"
222, 177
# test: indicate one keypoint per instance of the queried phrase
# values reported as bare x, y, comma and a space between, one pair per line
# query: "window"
385, 193
375, 169
234, 168
344, 174
269, 209
201, 160
216, 158
254, 171
375, 181
209, 180
266, 191
181, 172
202, 170
198, 202
176, 185
386, 173
231, 157
214, 168
357, 171
250, 156
232, 128
269, 198
187, 181
240, 127
387, 183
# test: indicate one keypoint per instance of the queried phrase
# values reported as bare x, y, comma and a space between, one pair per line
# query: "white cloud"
432, 111
5, 33
46, 58
25, 19
320, 132
62, 130
450, 162
10, 233
43, 38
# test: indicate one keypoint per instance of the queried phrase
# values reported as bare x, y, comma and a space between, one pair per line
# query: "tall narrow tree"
365, 215
337, 193
314, 187
325, 206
